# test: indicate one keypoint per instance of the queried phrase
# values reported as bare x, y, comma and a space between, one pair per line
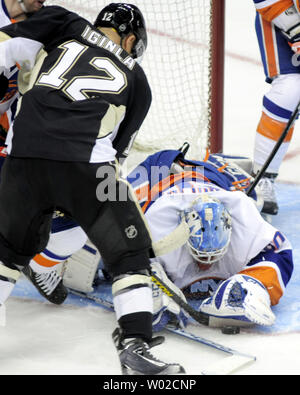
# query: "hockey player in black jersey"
86, 98
45, 279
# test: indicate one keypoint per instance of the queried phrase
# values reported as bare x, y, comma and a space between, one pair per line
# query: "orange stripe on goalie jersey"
143, 192
270, 47
41, 260
273, 129
272, 11
268, 276
168, 182
4, 122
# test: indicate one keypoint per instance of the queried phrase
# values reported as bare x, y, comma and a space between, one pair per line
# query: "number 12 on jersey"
77, 88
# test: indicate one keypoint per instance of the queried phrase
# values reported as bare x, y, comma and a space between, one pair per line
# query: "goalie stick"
227, 326
226, 366
196, 315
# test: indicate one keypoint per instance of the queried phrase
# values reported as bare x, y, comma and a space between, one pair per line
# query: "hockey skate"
136, 358
266, 184
49, 284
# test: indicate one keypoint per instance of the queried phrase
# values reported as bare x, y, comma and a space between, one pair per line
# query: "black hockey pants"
31, 189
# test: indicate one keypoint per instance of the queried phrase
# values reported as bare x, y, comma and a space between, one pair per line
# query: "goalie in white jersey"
213, 247
233, 261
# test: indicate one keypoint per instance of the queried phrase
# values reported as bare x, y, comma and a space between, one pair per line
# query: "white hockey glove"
289, 24
165, 310
240, 298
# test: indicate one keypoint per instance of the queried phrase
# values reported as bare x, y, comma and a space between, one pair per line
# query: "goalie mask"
210, 229
125, 19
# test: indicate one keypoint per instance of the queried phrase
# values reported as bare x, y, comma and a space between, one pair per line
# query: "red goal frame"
217, 75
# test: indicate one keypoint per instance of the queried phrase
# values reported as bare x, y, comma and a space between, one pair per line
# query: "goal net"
179, 66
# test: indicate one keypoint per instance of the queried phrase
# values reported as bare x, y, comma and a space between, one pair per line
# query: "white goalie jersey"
256, 248
250, 233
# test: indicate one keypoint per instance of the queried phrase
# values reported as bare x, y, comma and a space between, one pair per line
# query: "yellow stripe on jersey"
112, 119
27, 78
12, 274
4, 37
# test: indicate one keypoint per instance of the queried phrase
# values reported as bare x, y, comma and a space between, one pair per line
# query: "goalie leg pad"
80, 269
240, 298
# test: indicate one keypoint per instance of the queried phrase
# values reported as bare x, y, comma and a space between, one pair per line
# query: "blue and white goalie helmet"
210, 229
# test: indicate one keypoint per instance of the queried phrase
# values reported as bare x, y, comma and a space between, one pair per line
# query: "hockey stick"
275, 149
201, 318
103, 302
228, 326
185, 147
225, 366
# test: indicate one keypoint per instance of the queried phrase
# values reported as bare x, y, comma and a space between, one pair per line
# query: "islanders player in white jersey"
212, 245
11, 11
278, 33
232, 258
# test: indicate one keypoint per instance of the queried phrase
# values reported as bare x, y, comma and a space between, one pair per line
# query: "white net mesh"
177, 64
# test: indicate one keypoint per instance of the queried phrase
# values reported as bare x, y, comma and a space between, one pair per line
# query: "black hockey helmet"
125, 18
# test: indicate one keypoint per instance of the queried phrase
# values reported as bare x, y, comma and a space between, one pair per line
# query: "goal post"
184, 63
217, 75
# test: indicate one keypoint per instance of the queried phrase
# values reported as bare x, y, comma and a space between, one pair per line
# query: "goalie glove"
289, 24
165, 310
240, 298
294, 42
